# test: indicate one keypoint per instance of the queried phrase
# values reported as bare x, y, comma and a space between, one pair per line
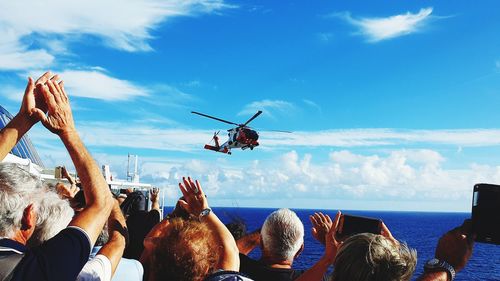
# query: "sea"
420, 230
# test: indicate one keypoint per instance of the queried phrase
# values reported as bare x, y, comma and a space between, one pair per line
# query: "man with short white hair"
282, 240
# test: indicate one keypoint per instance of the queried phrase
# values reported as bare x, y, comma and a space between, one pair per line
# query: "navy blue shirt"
60, 258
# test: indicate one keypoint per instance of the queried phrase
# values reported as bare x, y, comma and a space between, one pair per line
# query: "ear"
29, 218
299, 251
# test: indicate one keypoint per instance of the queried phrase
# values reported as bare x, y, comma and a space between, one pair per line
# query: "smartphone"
486, 213
350, 225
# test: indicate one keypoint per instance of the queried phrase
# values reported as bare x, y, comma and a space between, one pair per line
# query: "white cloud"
269, 107
378, 29
95, 83
99, 134
387, 176
123, 25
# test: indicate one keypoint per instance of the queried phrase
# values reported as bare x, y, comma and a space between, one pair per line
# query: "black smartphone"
350, 225
486, 213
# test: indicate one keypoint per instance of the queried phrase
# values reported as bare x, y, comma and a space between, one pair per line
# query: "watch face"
205, 212
433, 262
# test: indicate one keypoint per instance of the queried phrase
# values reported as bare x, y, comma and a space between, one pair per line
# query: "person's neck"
20, 238
273, 263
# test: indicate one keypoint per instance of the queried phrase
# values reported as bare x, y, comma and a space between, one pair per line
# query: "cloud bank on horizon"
376, 126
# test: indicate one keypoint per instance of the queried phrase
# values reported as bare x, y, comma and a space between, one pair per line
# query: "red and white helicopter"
240, 137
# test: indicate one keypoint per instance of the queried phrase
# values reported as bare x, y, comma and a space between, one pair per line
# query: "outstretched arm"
59, 120
247, 243
194, 202
319, 269
118, 236
24, 119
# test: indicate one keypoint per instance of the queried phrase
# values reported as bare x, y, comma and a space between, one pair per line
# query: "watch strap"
436, 265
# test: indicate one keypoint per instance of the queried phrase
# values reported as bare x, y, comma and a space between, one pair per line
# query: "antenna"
132, 177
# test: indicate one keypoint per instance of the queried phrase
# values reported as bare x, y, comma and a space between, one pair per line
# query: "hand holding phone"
350, 225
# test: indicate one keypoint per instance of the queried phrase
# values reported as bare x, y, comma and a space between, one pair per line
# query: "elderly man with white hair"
63, 256
282, 240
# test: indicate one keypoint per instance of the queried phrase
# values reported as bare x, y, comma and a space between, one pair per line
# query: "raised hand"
332, 245
194, 198
455, 247
33, 99
153, 194
387, 234
321, 225
59, 118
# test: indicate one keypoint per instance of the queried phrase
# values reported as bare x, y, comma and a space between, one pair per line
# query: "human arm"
455, 248
24, 119
154, 195
118, 236
194, 202
59, 120
247, 243
332, 245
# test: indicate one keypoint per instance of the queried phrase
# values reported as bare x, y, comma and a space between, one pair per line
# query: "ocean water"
420, 230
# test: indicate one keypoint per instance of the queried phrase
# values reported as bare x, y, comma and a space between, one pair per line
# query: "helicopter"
241, 136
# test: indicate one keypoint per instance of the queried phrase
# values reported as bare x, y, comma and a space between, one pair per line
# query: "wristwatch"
435, 264
204, 213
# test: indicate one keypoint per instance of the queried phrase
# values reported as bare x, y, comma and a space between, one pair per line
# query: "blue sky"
392, 107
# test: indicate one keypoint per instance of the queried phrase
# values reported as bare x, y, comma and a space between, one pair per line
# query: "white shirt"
96, 269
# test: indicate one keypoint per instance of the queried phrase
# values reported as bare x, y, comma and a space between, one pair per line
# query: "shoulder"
96, 269
128, 270
70, 248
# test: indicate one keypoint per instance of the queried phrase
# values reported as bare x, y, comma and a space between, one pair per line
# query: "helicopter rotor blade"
215, 118
279, 131
253, 117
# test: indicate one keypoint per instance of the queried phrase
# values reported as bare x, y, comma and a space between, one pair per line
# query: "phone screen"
350, 225
486, 213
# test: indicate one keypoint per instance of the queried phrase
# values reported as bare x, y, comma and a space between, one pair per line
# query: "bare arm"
319, 269
247, 243
59, 120
154, 195
434, 276
118, 235
195, 201
24, 119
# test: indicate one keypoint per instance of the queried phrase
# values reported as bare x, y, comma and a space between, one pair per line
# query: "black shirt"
60, 258
260, 272
139, 224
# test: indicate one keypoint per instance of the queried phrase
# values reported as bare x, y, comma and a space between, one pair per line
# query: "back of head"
371, 257
186, 251
282, 235
53, 215
18, 189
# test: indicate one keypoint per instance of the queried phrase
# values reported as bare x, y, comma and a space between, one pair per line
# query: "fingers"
385, 231
55, 92
30, 86
184, 205
46, 76
335, 224
313, 220
63, 91
38, 115
183, 190
49, 98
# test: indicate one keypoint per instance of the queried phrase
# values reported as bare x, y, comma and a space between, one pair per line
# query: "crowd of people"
82, 231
